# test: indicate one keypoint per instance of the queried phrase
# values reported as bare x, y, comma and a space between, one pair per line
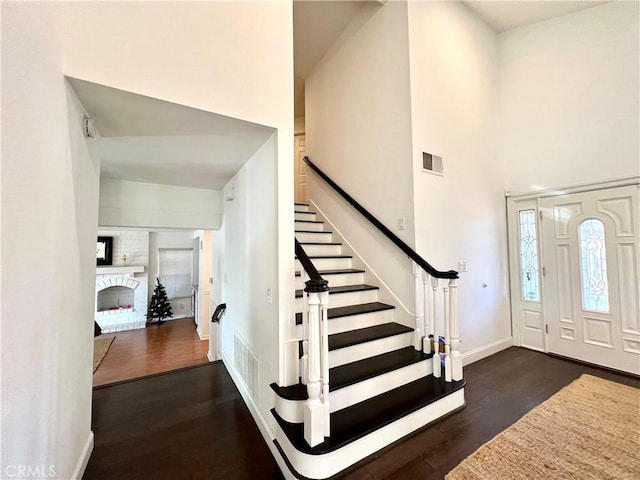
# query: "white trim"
585, 187
263, 426
486, 350
83, 459
203, 337
210, 357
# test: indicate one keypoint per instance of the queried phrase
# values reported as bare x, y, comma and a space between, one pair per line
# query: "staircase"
381, 388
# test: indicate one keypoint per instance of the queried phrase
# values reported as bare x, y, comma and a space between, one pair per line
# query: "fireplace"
121, 298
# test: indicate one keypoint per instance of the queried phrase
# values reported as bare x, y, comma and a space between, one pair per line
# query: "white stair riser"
301, 208
304, 216
347, 396
312, 237
325, 466
337, 280
344, 299
369, 349
328, 263
322, 249
311, 226
354, 322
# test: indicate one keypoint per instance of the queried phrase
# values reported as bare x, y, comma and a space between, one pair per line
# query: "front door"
590, 267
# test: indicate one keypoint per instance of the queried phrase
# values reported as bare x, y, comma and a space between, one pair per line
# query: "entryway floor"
151, 350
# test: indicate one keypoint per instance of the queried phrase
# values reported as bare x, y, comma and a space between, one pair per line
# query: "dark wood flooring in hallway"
193, 424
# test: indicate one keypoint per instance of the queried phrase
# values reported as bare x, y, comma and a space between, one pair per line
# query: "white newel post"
324, 306
314, 410
304, 361
447, 334
437, 369
419, 307
456, 357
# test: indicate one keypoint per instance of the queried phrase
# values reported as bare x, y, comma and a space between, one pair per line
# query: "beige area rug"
101, 346
588, 430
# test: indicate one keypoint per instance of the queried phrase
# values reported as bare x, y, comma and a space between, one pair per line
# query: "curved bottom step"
369, 426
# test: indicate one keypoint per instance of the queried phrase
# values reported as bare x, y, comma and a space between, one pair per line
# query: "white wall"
49, 223
461, 215
149, 205
358, 130
250, 268
570, 100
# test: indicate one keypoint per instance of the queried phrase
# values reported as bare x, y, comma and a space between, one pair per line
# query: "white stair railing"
439, 332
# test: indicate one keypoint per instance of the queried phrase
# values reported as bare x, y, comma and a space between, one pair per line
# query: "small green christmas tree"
159, 306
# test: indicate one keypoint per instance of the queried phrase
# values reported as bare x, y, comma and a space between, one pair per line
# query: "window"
529, 274
174, 271
593, 256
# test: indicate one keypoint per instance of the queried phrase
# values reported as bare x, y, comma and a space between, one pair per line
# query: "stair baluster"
419, 307
428, 318
304, 360
447, 334
456, 357
324, 319
437, 368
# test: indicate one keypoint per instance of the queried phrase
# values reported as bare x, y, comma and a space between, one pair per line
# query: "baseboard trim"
263, 426
83, 460
486, 350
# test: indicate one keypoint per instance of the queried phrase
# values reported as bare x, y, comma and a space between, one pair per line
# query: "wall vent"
247, 366
432, 163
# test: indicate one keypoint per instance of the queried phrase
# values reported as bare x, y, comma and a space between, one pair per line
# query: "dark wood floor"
193, 424
151, 350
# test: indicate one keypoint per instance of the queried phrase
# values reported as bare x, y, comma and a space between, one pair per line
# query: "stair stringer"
402, 313
326, 465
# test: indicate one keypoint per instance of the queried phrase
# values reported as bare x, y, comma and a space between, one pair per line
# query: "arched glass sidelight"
593, 255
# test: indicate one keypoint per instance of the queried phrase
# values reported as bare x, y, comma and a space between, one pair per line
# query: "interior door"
300, 186
591, 290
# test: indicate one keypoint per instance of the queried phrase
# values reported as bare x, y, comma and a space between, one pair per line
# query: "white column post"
419, 305
437, 370
456, 357
314, 411
324, 319
447, 334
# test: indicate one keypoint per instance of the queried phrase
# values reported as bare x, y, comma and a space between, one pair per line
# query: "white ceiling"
148, 140
506, 15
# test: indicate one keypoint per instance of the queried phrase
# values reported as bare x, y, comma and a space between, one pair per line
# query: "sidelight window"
529, 274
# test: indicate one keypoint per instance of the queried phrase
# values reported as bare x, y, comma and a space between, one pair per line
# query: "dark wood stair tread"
319, 243
307, 213
309, 221
361, 308
345, 289
352, 423
352, 373
302, 204
368, 334
338, 271
313, 231
318, 257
